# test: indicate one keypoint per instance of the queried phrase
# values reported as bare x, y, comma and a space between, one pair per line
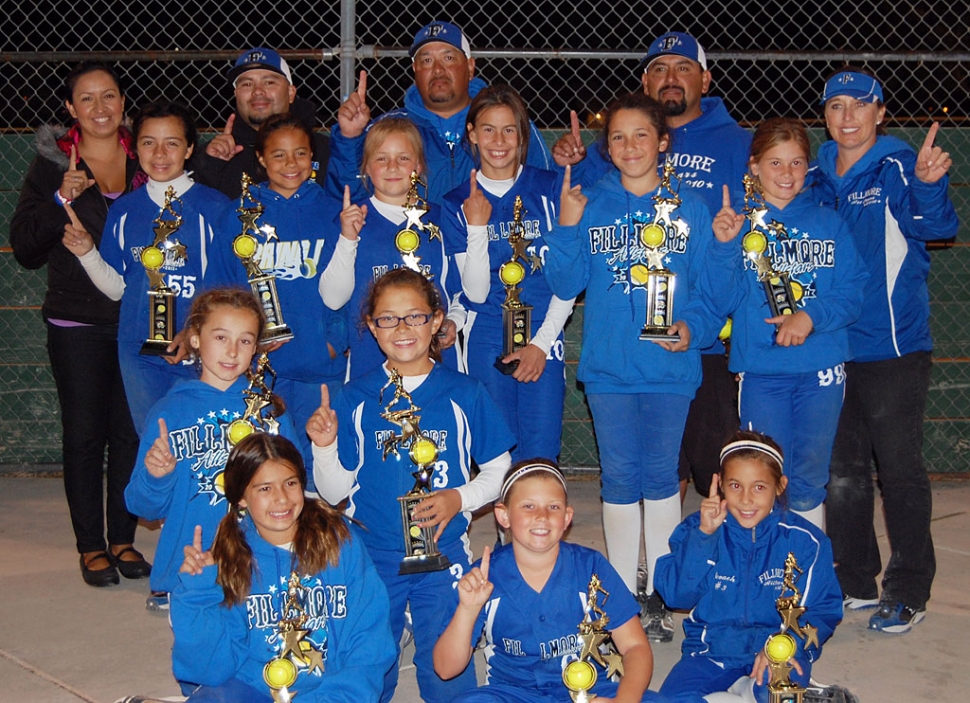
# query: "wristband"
61, 200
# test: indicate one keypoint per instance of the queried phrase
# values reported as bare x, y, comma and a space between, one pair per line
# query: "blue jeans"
882, 418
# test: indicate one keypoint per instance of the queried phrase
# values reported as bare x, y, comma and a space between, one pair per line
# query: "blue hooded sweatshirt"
823, 265
197, 416
891, 214
602, 256
348, 611
307, 226
445, 151
731, 579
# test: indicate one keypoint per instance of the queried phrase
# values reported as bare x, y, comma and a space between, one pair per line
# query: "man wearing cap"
263, 86
437, 103
709, 150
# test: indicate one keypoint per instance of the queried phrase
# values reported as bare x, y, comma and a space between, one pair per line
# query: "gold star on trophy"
580, 675
781, 647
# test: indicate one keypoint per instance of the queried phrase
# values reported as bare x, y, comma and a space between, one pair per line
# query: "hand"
532, 362
76, 239
727, 223
932, 162
180, 345
569, 149
680, 327
438, 509
195, 558
352, 218
474, 587
476, 207
75, 180
159, 460
354, 115
572, 202
761, 663
792, 329
270, 347
448, 334
713, 509
322, 425
223, 146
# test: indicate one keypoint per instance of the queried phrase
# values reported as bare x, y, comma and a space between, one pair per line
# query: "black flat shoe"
134, 569
99, 577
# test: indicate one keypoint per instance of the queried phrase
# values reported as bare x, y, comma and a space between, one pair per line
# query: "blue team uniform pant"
432, 607
147, 379
801, 413
692, 678
232, 691
639, 437
503, 693
533, 411
883, 417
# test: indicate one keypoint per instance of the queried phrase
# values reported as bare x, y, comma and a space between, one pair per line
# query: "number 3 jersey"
456, 413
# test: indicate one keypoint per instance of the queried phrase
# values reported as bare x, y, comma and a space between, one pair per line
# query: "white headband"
752, 444
528, 469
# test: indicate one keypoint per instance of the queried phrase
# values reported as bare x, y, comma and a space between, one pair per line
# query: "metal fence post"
348, 47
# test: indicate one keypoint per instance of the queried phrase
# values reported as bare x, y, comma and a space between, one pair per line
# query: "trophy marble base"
157, 347
423, 563
657, 334
282, 333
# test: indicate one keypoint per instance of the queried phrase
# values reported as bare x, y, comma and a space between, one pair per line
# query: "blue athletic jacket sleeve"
343, 169
924, 210
567, 261
682, 576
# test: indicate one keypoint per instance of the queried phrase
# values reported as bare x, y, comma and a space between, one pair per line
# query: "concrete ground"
63, 642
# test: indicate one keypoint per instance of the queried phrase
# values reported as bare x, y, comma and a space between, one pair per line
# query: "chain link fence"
767, 59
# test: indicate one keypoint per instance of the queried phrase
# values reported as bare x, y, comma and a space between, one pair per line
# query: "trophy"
161, 298
421, 552
516, 315
777, 284
661, 282
580, 675
408, 239
781, 647
296, 652
263, 284
259, 396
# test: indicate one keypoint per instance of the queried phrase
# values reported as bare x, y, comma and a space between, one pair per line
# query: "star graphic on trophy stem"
313, 659
790, 617
178, 250
414, 214
757, 217
163, 229
810, 633
270, 232
778, 229
291, 642
614, 664
272, 425
665, 206
156, 279
248, 217
283, 695
682, 228
411, 261
434, 232
655, 259
255, 403
591, 646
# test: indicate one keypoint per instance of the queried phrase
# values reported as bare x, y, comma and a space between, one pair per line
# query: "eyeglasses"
415, 319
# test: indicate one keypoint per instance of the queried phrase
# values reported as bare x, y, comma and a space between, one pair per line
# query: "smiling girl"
792, 366
164, 135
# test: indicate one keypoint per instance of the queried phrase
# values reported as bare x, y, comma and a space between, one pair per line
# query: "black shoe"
820, 693
656, 620
134, 569
99, 577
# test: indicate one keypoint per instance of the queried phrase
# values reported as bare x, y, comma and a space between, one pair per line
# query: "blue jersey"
307, 227
346, 613
446, 149
197, 416
603, 256
731, 579
456, 413
891, 214
530, 637
827, 279
129, 229
376, 255
540, 204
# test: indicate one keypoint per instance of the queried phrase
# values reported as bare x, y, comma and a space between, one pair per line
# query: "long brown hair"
320, 532
500, 95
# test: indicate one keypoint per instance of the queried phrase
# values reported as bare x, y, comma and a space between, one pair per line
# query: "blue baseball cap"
441, 31
675, 44
855, 85
260, 57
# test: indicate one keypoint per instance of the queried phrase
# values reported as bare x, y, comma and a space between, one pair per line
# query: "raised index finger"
362, 85
574, 125
931, 136
346, 197
228, 128
197, 538
73, 216
565, 181
324, 396
473, 183
725, 196
162, 430
486, 558
714, 481
72, 165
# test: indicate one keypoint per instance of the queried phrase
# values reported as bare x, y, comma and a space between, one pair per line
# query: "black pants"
882, 418
712, 419
94, 414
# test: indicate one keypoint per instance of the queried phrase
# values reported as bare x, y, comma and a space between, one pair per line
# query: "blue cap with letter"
853, 84
675, 44
444, 32
263, 58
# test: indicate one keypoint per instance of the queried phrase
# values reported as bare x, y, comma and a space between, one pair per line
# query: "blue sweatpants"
801, 413
147, 379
